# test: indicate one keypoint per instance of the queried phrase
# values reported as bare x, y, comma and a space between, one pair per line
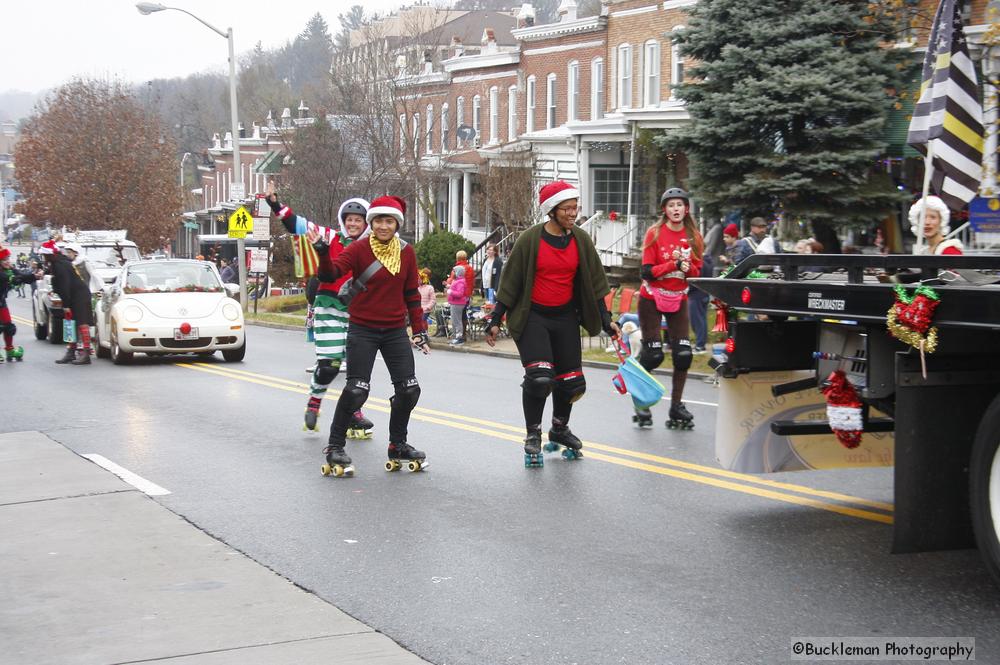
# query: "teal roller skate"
560, 436
17, 353
533, 450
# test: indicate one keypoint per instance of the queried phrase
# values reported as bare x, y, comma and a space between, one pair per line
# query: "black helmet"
353, 208
674, 193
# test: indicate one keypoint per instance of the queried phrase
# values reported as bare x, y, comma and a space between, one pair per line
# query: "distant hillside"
15, 104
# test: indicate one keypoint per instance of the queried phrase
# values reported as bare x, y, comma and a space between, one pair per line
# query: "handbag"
633, 379
69, 331
667, 301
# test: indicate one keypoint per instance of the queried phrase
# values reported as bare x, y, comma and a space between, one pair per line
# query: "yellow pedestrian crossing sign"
240, 223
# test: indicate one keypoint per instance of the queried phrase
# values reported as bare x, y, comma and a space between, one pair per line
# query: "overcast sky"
44, 43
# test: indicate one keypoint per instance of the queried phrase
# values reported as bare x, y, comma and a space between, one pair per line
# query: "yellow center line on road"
682, 469
27, 322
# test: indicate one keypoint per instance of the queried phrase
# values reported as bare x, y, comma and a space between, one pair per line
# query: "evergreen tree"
788, 102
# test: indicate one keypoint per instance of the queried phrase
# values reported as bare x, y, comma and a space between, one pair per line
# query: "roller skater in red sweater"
383, 292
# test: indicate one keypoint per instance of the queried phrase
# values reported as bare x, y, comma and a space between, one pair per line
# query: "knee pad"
572, 384
325, 371
355, 392
406, 395
8, 329
651, 355
681, 354
538, 379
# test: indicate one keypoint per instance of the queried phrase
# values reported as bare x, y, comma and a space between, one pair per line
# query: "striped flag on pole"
948, 118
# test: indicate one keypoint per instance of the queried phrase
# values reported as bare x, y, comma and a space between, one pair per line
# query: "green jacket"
518, 279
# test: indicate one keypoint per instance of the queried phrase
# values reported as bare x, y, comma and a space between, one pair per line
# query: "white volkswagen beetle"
169, 306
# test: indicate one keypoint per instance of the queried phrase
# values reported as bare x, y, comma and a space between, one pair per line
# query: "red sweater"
666, 272
388, 297
555, 269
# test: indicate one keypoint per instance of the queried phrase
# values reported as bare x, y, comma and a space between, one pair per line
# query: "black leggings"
362, 345
678, 328
551, 341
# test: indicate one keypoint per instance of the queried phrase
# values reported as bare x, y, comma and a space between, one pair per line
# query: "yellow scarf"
387, 253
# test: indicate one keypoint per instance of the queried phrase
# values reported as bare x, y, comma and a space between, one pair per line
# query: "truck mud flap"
936, 421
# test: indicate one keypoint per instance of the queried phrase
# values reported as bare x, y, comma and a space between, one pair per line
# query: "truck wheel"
55, 329
984, 487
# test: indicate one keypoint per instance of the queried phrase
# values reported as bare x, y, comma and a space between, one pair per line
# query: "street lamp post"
236, 189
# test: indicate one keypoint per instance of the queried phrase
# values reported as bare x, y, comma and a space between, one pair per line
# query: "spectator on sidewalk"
730, 239
458, 300
491, 274
426, 289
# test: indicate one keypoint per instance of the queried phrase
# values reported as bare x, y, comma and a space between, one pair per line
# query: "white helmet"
933, 203
71, 246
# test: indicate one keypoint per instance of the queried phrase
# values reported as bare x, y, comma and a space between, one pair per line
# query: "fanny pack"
666, 300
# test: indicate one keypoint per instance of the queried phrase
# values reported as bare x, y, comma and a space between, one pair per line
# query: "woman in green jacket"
552, 283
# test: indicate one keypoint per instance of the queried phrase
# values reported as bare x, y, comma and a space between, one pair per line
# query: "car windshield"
111, 255
160, 277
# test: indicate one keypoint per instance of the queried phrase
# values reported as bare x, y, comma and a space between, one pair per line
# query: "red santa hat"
555, 193
387, 205
731, 230
4, 253
48, 247
843, 409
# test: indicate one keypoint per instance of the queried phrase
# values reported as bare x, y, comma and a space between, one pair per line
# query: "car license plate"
191, 335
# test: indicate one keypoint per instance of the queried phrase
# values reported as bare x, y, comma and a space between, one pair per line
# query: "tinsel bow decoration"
721, 316
909, 318
843, 409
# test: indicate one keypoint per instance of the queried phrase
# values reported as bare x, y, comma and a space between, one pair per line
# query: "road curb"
444, 346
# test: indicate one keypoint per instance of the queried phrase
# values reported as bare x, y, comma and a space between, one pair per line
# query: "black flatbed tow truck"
828, 312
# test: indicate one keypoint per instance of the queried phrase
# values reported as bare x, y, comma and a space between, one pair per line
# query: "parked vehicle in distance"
167, 307
106, 251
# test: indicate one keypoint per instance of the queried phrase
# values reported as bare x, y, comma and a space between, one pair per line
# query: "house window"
429, 132
676, 64
529, 115
459, 119
572, 90
402, 133
512, 113
550, 102
624, 76
610, 188
651, 73
597, 89
444, 127
494, 115
416, 135
477, 104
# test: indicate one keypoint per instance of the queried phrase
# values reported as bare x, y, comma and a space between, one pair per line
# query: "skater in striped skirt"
329, 310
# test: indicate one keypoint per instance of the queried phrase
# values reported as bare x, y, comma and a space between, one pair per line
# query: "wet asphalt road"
620, 558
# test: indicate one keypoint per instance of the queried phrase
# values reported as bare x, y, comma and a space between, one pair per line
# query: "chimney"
256, 130
567, 11
526, 17
270, 119
216, 143
401, 65
243, 132
286, 118
428, 61
489, 41
303, 110
456, 47
228, 141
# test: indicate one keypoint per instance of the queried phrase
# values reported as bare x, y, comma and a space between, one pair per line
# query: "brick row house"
576, 97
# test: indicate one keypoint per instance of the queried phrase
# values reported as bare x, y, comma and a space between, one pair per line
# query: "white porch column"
453, 203
466, 201
419, 219
583, 177
431, 205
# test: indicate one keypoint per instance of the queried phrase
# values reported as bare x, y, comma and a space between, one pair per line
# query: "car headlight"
132, 313
231, 311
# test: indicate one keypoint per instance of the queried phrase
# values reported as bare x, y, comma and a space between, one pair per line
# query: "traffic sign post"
240, 223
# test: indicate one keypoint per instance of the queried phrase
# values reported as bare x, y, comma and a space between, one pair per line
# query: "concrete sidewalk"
94, 571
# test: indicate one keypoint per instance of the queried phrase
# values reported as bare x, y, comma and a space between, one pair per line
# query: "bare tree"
92, 158
505, 193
